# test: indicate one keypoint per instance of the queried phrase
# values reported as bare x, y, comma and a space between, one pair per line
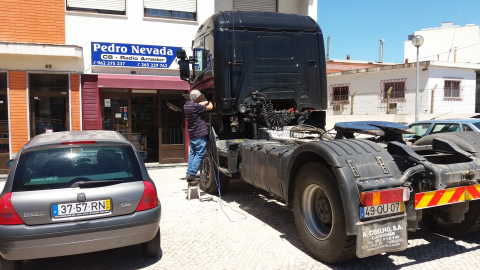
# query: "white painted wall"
368, 99
82, 28
439, 41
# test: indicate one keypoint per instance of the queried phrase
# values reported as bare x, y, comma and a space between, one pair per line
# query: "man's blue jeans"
198, 146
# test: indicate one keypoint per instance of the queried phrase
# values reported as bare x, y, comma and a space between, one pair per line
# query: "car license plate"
381, 210
79, 209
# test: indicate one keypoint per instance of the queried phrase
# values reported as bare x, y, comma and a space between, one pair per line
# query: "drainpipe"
433, 96
351, 107
455, 55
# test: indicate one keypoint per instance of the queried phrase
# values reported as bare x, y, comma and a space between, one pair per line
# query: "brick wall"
37, 21
75, 99
18, 109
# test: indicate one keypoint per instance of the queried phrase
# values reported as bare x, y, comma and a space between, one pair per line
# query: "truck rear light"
79, 142
8, 216
149, 198
385, 196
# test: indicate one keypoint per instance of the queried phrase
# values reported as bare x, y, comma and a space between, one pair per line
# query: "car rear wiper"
99, 183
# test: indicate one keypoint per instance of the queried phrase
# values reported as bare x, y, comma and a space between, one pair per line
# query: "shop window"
49, 103
4, 132
451, 89
99, 6
179, 9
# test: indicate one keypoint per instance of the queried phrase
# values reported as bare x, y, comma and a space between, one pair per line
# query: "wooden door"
171, 129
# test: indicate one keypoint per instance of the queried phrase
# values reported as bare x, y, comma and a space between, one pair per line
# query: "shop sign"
133, 55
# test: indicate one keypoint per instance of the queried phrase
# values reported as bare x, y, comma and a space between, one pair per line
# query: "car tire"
469, 225
10, 265
152, 247
319, 215
207, 176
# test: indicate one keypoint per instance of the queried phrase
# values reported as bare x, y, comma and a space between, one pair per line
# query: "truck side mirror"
9, 163
184, 70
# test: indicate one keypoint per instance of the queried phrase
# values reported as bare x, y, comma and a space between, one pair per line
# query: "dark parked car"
76, 192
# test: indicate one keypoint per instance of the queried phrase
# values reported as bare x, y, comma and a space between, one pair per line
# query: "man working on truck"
197, 131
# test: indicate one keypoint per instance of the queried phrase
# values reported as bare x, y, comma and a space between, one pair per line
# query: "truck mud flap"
381, 235
446, 196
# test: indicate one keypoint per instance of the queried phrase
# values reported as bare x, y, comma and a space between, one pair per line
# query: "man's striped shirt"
196, 124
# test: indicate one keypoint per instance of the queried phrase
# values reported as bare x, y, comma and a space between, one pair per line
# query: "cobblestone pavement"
197, 235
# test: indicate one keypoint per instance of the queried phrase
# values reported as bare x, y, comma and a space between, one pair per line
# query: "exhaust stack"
381, 51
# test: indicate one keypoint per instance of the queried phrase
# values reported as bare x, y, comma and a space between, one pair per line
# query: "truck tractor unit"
350, 197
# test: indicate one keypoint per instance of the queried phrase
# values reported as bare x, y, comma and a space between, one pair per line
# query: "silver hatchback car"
77, 192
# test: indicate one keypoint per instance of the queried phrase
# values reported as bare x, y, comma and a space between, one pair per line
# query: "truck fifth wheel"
351, 197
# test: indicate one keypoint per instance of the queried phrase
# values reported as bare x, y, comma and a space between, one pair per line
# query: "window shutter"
117, 5
177, 5
255, 5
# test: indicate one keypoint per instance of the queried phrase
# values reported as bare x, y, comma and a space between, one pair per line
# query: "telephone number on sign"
108, 63
152, 65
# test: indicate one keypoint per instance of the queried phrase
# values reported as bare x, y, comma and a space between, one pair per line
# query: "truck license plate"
90, 208
382, 209
381, 235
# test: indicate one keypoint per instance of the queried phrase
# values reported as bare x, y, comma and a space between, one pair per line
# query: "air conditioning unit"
337, 108
392, 106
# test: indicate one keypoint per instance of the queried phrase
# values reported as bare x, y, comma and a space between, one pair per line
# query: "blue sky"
356, 26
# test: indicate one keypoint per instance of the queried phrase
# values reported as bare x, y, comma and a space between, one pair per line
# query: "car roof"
468, 120
67, 136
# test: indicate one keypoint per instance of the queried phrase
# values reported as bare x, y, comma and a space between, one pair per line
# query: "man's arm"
209, 106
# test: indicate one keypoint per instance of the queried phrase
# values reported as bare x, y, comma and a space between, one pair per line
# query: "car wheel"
207, 176
152, 247
9, 264
319, 215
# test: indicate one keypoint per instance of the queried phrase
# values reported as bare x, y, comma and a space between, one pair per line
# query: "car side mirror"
143, 154
184, 70
10, 163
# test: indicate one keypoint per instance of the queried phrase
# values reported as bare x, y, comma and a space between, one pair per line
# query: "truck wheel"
319, 215
10, 265
469, 225
207, 176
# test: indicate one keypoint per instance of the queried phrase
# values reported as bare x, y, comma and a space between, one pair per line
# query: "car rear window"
61, 166
477, 124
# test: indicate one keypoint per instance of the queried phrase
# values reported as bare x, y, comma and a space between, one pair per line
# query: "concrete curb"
156, 166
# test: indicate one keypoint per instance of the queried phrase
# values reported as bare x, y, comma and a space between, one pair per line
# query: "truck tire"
207, 176
470, 142
469, 225
319, 215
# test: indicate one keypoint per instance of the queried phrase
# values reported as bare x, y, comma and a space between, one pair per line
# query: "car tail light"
149, 198
385, 196
8, 216
79, 142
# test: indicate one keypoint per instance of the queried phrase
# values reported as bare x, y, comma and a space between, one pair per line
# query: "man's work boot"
190, 178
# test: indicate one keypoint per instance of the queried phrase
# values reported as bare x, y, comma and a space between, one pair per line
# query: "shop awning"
142, 82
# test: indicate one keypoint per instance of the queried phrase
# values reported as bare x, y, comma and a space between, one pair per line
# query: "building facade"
105, 64
453, 85
449, 43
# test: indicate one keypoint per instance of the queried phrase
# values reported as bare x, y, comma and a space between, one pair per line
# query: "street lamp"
417, 41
